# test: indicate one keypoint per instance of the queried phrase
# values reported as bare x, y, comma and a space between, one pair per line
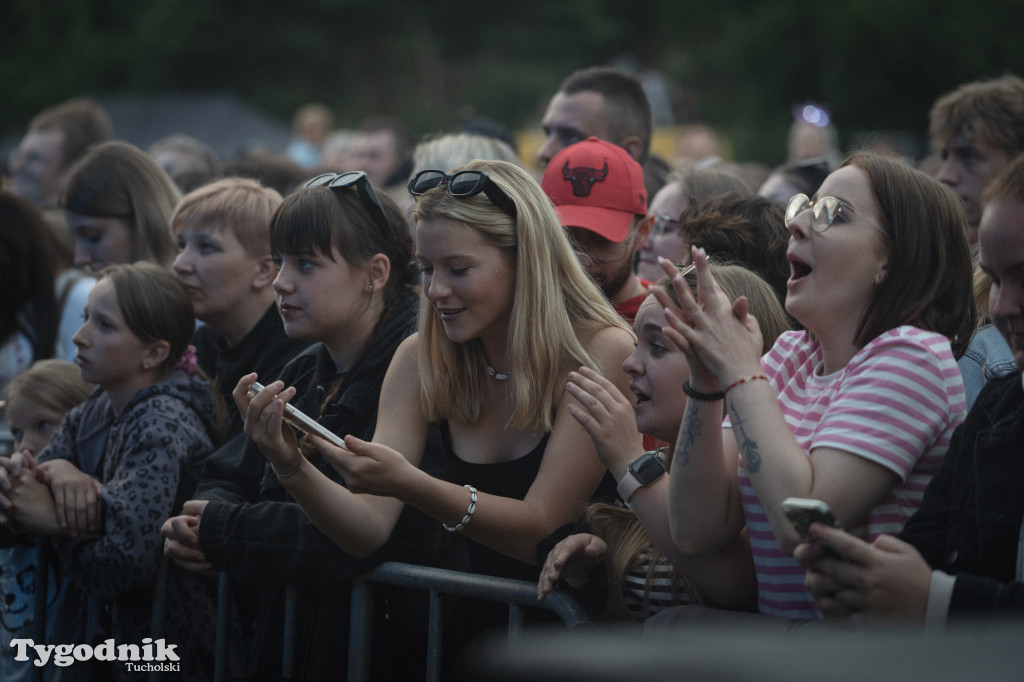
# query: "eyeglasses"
358, 180
663, 225
462, 185
825, 211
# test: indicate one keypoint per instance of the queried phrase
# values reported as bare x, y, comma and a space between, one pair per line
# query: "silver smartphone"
802, 512
301, 421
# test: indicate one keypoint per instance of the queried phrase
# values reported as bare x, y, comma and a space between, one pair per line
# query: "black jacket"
969, 522
256, 532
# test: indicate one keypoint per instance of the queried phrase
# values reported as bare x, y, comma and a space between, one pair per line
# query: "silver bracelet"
469, 512
294, 471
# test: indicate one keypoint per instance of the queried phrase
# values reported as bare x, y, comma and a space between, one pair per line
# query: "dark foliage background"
738, 65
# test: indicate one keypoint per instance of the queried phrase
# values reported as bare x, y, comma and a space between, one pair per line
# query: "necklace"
500, 376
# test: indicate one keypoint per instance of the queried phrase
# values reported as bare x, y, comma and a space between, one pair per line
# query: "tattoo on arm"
688, 434
748, 446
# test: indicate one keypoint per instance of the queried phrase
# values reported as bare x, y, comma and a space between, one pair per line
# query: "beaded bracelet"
752, 377
469, 512
294, 471
703, 397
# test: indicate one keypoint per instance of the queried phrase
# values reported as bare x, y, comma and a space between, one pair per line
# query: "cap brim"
610, 224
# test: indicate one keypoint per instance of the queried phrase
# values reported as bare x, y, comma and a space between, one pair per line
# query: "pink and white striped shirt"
896, 403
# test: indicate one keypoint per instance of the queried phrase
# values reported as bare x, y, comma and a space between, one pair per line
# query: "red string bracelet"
752, 377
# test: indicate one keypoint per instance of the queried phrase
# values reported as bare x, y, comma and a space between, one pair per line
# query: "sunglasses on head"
462, 185
824, 211
358, 180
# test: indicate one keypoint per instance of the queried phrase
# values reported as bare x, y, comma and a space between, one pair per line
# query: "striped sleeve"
899, 398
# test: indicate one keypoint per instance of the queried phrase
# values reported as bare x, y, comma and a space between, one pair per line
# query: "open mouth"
641, 397
798, 269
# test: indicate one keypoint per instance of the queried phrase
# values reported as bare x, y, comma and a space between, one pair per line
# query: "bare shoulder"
407, 354
603, 342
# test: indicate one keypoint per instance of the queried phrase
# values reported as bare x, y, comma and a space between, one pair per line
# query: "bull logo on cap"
583, 178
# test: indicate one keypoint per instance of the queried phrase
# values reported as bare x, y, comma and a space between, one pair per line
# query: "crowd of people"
607, 379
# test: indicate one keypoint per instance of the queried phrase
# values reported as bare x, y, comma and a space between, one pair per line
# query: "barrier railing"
517, 594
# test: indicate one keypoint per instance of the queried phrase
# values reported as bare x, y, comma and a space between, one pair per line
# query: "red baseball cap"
598, 186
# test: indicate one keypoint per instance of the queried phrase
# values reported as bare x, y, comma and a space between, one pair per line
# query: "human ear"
643, 230
155, 354
265, 272
634, 145
378, 269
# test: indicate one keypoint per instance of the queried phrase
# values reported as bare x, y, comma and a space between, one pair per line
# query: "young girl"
644, 570
127, 458
506, 313
118, 205
344, 282
35, 402
858, 410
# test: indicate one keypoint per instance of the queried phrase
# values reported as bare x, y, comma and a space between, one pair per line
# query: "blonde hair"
447, 151
240, 205
554, 303
54, 384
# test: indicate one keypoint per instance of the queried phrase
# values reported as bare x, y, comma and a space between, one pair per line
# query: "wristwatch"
641, 472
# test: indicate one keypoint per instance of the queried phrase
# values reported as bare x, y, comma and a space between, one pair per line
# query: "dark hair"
27, 274
318, 218
119, 180
270, 170
929, 275
155, 305
629, 112
747, 230
990, 110
81, 121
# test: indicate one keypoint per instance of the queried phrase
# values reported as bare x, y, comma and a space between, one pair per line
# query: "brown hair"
929, 275
119, 180
989, 110
82, 122
28, 304
750, 230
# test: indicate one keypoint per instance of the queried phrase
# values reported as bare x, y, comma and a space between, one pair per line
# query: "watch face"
647, 468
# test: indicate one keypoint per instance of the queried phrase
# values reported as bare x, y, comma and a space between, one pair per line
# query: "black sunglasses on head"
462, 185
359, 180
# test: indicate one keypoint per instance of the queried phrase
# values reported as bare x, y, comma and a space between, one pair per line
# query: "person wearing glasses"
507, 314
224, 261
344, 281
682, 190
857, 411
599, 194
958, 559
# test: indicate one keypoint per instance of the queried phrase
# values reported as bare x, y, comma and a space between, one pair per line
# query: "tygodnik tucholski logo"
151, 656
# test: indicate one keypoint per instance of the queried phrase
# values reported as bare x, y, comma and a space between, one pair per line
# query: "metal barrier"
518, 594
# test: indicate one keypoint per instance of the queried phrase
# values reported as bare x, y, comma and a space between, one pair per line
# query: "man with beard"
598, 191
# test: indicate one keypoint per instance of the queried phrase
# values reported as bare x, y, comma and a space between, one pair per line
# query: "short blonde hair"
554, 302
240, 205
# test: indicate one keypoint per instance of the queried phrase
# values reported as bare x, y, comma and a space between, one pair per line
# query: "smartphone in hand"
802, 512
301, 421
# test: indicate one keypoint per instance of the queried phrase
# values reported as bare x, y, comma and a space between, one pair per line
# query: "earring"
370, 287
